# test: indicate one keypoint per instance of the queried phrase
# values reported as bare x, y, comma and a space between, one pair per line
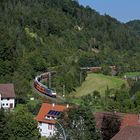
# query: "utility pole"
63, 90
49, 79
80, 77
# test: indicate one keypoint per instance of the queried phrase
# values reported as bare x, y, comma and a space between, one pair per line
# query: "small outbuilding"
7, 96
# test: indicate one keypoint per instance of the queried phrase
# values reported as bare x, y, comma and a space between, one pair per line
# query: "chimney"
67, 106
0, 101
53, 104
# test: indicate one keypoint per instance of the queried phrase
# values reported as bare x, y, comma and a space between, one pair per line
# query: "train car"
39, 87
42, 88
50, 92
95, 69
45, 75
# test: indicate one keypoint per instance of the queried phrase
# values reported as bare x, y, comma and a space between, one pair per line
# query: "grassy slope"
98, 82
132, 73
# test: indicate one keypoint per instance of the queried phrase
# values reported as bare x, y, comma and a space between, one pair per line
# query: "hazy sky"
123, 10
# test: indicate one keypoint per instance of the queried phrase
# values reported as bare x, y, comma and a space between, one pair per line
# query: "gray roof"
7, 91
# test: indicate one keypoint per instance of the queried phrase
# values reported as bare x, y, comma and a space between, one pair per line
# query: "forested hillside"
60, 35
134, 25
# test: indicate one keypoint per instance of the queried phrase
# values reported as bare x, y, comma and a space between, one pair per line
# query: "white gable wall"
7, 103
46, 129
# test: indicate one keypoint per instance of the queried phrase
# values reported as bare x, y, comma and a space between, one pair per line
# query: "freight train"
43, 88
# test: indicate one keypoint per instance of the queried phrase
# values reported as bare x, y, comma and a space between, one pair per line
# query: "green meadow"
98, 82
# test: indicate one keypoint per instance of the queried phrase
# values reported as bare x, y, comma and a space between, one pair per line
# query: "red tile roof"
130, 120
7, 91
45, 108
128, 133
99, 117
126, 119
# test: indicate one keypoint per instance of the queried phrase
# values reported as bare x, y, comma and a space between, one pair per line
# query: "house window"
11, 105
3, 104
8, 99
49, 126
6, 104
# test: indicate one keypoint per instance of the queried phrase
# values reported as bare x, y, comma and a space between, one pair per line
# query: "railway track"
57, 99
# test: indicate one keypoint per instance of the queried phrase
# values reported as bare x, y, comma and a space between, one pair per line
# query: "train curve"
43, 89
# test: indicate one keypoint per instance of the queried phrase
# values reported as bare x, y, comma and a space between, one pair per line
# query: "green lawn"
43, 138
132, 73
98, 82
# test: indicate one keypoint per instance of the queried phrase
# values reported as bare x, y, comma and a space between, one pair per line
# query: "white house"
47, 118
7, 96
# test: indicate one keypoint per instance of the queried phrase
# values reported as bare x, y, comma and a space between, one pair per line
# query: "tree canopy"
79, 124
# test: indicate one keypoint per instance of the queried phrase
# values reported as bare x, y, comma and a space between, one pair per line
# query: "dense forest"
60, 35
134, 25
